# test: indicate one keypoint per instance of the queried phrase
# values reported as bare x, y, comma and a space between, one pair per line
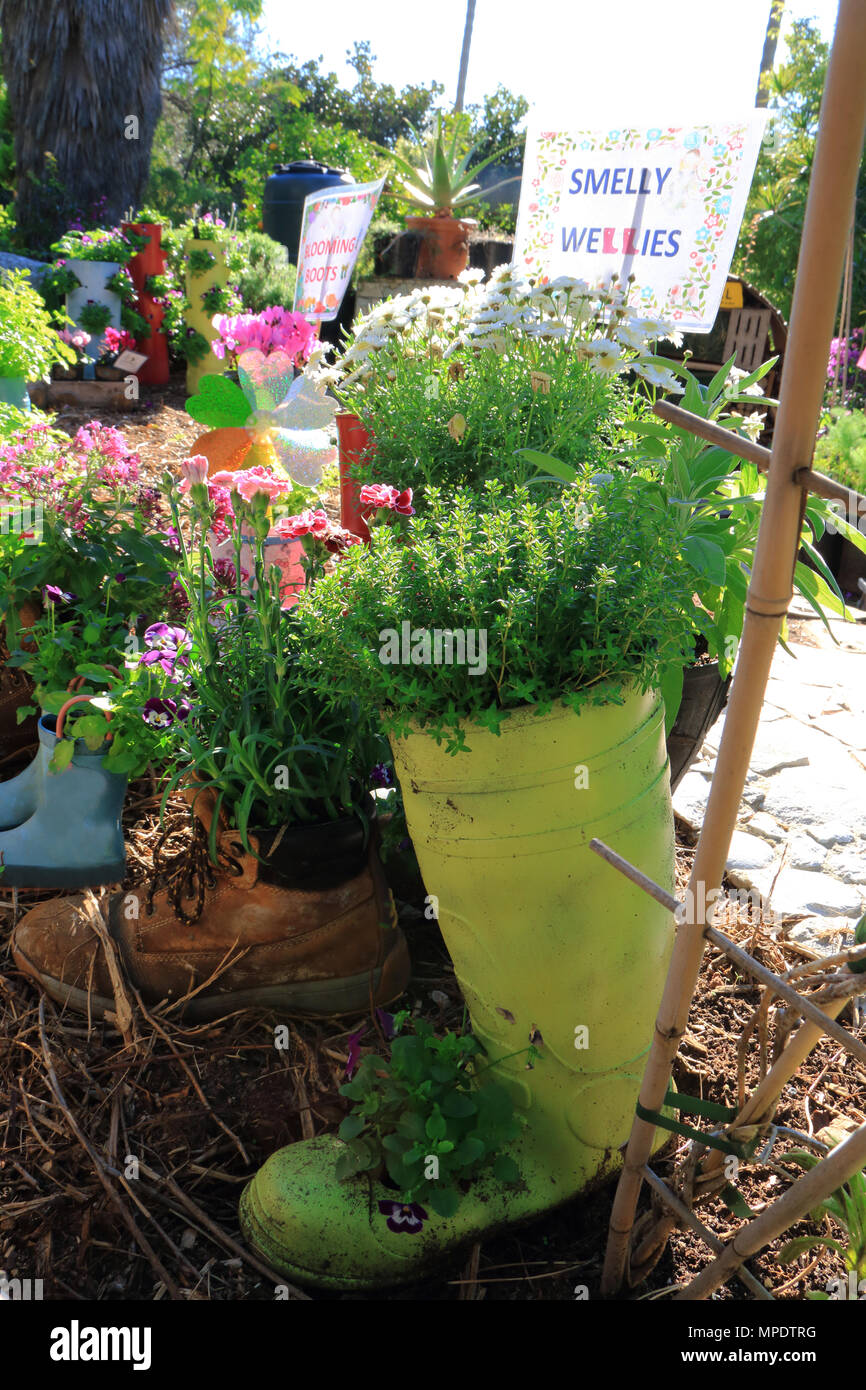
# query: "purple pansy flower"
408, 1217
54, 595
161, 714
381, 776
386, 1023
165, 637
354, 1056
167, 647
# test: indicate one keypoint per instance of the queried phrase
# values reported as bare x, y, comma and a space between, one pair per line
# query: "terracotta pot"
354, 441
444, 245
59, 373
105, 373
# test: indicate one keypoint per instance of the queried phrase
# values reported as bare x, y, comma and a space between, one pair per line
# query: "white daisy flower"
657, 376
604, 354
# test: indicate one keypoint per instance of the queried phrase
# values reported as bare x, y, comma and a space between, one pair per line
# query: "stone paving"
800, 840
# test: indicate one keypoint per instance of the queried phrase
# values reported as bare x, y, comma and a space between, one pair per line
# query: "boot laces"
189, 873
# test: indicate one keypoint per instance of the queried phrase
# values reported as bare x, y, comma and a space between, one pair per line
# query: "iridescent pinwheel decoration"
270, 418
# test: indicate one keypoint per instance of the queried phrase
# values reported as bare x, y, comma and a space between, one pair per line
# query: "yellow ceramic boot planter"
548, 945
197, 316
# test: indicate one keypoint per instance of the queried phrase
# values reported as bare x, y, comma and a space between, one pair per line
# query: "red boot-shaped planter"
150, 261
354, 442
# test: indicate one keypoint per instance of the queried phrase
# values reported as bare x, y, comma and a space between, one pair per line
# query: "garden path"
800, 840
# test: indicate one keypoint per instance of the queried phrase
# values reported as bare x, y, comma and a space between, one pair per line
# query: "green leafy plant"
574, 598
847, 1206
841, 449
94, 317
29, 344
452, 383
442, 179
266, 277
157, 286
218, 300
715, 501
56, 283
191, 345
98, 244
424, 1102
120, 283
134, 322
200, 260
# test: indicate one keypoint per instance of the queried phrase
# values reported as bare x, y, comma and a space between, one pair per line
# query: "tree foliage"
769, 241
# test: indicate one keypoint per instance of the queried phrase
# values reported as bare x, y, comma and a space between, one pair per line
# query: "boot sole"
316, 998
100, 876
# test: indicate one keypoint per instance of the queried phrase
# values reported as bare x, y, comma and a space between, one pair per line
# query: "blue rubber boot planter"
20, 796
74, 838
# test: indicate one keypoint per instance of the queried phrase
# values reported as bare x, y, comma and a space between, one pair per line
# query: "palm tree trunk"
83, 78
768, 57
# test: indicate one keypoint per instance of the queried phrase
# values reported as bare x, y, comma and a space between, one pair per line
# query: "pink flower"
117, 340
379, 495
223, 479
194, 469
306, 523
274, 329
250, 481
77, 339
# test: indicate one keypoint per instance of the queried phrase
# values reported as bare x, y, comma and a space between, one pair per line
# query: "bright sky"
570, 58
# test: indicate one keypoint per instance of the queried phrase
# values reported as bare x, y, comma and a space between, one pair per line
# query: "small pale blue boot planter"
74, 837
19, 796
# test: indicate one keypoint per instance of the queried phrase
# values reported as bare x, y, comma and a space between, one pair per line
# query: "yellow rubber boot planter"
196, 316
546, 939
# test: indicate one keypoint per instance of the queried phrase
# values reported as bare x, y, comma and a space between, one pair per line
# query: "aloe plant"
443, 182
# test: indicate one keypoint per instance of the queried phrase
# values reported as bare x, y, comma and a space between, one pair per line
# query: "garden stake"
807, 1192
752, 1113
828, 217
743, 448
688, 1218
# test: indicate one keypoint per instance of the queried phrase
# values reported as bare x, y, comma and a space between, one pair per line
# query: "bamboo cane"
819, 1022
828, 217
741, 448
841, 1163
762, 1102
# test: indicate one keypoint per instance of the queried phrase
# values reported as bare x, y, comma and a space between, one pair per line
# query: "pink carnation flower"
376, 496
194, 470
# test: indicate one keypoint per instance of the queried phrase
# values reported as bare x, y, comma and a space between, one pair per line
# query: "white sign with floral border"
661, 203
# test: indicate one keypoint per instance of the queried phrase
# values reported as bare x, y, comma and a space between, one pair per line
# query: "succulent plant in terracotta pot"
440, 182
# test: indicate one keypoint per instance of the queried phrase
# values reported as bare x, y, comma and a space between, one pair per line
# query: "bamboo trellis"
829, 211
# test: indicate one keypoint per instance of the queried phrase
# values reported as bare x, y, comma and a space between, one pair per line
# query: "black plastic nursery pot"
317, 856
705, 695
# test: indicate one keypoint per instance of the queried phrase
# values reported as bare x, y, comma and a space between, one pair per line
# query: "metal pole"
464, 55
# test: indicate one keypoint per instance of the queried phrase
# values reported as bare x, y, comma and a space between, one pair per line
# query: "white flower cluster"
508, 309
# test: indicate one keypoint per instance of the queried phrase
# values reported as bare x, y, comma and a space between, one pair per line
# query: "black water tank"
285, 191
